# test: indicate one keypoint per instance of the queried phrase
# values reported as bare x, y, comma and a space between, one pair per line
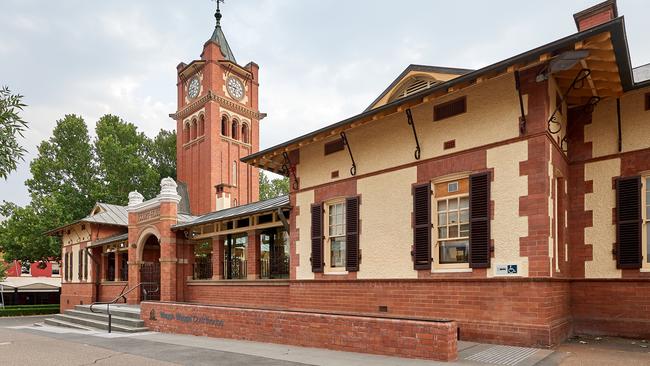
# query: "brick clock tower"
217, 123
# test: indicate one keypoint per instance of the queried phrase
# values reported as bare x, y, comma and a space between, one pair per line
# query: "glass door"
235, 257
274, 254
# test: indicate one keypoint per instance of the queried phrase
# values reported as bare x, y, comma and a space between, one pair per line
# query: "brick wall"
483, 308
385, 336
611, 307
76, 294
243, 295
109, 291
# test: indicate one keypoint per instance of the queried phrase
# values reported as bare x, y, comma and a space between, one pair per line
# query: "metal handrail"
122, 295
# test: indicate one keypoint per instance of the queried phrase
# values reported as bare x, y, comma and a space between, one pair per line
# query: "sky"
320, 61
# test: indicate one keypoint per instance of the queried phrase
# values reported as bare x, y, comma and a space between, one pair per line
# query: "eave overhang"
272, 158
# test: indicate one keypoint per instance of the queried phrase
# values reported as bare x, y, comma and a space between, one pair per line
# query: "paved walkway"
22, 343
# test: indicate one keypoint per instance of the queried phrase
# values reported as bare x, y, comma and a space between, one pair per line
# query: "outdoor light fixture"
564, 61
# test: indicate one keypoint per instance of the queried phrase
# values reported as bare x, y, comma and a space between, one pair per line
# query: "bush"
22, 310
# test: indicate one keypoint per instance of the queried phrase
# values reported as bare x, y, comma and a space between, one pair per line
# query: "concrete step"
65, 324
124, 311
128, 321
97, 324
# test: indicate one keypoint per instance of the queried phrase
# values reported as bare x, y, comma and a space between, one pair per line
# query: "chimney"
596, 15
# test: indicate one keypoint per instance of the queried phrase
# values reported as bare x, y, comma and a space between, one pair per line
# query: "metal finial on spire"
217, 14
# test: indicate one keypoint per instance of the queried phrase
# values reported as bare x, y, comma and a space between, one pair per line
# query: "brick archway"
142, 240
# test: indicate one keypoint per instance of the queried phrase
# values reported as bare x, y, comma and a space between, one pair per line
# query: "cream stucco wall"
507, 227
304, 200
492, 109
76, 235
602, 234
386, 235
603, 131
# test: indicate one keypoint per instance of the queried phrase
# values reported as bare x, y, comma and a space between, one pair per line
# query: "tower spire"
217, 14
219, 38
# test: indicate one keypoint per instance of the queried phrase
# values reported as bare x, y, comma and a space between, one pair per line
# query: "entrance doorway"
274, 254
234, 266
150, 269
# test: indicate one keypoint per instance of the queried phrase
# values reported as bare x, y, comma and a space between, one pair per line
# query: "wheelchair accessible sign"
506, 270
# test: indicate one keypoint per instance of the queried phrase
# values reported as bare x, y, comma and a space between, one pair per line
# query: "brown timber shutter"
81, 265
317, 237
628, 222
422, 226
85, 264
479, 220
352, 234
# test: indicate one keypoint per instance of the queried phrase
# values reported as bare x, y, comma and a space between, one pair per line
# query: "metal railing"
238, 269
202, 268
274, 268
122, 295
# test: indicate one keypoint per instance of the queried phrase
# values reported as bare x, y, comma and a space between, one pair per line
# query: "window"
647, 101
193, 130
244, 133
25, 269
56, 269
336, 234
201, 126
224, 125
235, 127
186, 134
452, 207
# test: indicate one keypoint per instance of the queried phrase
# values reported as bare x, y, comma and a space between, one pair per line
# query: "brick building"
30, 283
508, 203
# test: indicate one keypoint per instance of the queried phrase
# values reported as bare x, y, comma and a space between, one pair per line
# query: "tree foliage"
70, 174
11, 126
271, 188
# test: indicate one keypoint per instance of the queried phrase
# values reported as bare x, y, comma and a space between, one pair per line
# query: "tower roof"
219, 38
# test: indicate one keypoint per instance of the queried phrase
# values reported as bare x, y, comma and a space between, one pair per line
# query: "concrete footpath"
23, 343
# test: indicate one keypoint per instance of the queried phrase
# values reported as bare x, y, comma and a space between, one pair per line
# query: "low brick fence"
434, 340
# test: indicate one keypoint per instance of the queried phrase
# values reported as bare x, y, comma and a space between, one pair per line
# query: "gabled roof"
105, 213
422, 68
243, 210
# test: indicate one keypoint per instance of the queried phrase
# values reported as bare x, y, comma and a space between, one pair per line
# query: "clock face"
235, 88
193, 88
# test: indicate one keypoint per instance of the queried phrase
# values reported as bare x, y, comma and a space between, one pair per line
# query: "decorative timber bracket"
586, 108
522, 119
353, 169
409, 119
290, 170
553, 125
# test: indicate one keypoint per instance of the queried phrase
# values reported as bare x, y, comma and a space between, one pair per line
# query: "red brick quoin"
433, 340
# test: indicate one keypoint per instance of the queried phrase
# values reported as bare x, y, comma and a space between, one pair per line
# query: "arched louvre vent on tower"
412, 86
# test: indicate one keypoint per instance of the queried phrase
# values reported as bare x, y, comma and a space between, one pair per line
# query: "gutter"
619, 40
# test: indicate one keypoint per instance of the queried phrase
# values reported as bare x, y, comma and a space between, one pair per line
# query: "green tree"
271, 188
64, 172
125, 163
11, 126
163, 154
70, 175
21, 234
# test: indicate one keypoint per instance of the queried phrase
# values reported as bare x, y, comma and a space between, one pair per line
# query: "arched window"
224, 125
234, 173
244, 132
235, 128
201, 126
186, 133
193, 130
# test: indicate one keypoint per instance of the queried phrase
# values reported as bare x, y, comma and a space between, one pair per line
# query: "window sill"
645, 269
336, 273
451, 270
